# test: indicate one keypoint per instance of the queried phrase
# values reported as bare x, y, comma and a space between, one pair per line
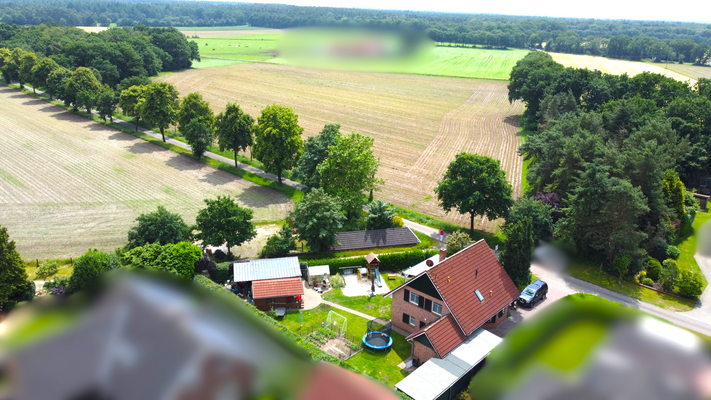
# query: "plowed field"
419, 123
68, 184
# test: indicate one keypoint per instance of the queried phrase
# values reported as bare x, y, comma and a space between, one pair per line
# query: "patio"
361, 287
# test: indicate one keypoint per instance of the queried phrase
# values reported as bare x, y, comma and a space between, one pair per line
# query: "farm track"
68, 184
419, 123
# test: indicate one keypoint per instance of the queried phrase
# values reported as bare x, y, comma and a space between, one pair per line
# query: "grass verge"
591, 273
687, 247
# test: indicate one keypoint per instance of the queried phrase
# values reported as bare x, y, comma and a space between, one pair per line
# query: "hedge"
224, 272
389, 262
207, 283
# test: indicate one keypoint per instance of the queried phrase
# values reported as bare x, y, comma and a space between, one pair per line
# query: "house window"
501, 313
478, 294
414, 298
493, 319
412, 320
437, 308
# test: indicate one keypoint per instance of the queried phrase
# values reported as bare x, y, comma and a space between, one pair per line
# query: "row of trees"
582, 36
115, 54
608, 157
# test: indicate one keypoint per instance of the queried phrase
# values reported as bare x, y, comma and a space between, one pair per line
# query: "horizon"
612, 10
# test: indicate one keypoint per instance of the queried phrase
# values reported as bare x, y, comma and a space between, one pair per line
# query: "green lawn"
219, 28
591, 273
380, 366
376, 306
257, 47
471, 63
687, 246
64, 271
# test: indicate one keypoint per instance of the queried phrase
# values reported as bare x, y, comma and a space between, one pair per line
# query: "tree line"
113, 55
608, 158
679, 41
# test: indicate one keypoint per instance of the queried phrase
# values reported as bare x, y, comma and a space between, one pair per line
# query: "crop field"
217, 31
419, 123
616, 67
443, 61
692, 71
68, 184
93, 29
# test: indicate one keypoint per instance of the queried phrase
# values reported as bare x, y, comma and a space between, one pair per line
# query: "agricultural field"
217, 31
93, 29
692, 71
419, 123
617, 67
443, 61
68, 184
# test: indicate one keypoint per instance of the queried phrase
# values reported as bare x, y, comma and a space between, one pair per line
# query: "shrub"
56, 283
642, 275
622, 264
207, 283
669, 276
223, 273
89, 267
657, 248
46, 270
205, 264
279, 244
457, 241
648, 282
337, 281
690, 284
654, 269
397, 221
673, 252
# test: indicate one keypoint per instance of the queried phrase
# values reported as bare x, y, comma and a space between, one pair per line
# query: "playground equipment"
378, 280
378, 339
336, 322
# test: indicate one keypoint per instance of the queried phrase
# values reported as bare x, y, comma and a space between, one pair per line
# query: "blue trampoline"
378, 339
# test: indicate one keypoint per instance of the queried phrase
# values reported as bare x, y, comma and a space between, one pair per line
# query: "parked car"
533, 293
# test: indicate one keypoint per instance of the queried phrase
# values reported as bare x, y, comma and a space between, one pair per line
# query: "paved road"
431, 232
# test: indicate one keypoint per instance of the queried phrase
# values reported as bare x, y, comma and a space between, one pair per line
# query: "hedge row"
224, 272
389, 262
207, 283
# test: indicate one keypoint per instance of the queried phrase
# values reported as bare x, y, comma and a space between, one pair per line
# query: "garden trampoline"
378, 339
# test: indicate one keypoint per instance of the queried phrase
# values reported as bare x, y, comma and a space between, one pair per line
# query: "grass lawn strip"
687, 246
376, 306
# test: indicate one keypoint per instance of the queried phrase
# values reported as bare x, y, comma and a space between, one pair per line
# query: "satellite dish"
429, 263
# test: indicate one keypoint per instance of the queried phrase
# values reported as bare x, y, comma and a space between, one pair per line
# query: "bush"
648, 282
279, 244
205, 264
46, 270
56, 283
337, 281
223, 273
89, 267
654, 269
397, 221
642, 275
25, 291
670, 274
673, 252
657, 248
690, 285
457, 241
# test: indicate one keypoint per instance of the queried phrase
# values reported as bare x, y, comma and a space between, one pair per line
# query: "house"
445, 304
273, 283
449, 305
375, 238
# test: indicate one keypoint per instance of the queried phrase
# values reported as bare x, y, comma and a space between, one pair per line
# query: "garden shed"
317, 271
273, 283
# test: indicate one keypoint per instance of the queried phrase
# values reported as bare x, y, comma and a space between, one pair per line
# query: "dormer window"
478, 294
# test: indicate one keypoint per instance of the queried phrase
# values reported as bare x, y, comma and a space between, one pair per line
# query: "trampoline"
378, 339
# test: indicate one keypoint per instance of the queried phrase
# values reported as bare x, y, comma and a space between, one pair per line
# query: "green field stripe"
11, 179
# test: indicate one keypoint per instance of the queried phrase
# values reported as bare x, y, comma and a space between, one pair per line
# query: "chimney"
442, 254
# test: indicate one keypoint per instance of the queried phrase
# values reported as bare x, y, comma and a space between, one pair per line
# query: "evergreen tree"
516, 257
14, 283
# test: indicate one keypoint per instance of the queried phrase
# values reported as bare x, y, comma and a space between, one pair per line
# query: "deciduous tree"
128, 101
278, 141
57, 82
476, 185
541, 217
158, 105
318, 219
27, 62
41, 71
14, 283
199, 136
160, 226
224, 221
81, 80
179, 258
106, 102
348, 172
315, 152
234, 129
194, 107
281, 243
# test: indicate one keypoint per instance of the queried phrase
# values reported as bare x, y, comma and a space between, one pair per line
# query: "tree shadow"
255, 196
142, 147
512, 120
124, 137
33, 102
50, 109
183, 163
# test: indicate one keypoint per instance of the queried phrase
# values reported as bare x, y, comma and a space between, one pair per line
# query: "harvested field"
419, 123
93, 29
68, 184
616, 67
692, 71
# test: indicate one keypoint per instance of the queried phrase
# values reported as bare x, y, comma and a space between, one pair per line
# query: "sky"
656, 10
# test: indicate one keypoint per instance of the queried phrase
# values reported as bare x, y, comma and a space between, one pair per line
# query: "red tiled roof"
444, 334
456, 279
277, 288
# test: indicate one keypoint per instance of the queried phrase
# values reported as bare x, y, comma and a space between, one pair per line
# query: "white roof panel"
419, 268
319, 270
437, 375
269, 268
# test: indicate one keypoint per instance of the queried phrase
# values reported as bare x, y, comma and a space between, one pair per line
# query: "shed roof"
270, 268
371, 257
277, 288
371, 239
437, 375
319, 270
